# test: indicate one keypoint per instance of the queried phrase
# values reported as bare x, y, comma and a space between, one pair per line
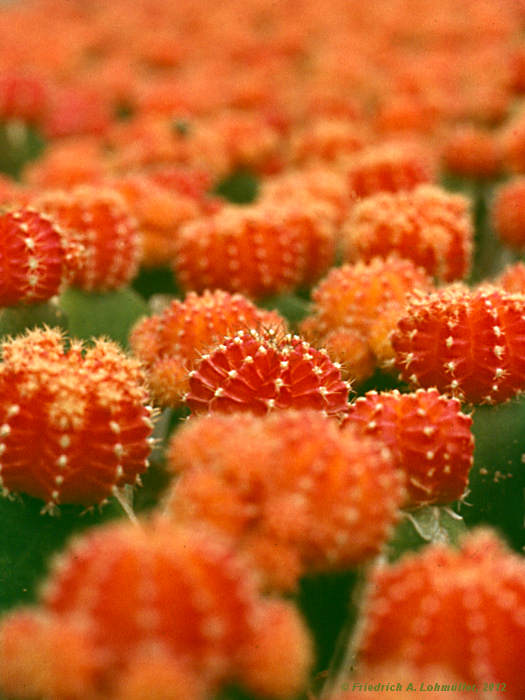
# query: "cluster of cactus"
262, 350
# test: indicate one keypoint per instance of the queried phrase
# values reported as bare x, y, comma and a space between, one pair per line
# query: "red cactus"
100, 220
508, 213
250, 250
192, 604
73, 427
33, 257
460, 609
389, 167
470, 344
298, 493
171, 343
427, 225
428, 435
259, 371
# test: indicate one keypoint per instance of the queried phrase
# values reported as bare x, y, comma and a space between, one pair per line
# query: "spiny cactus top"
355, 296
33, 257
388, 167
251, 250
171, 343
73, 426
427, 225
298, 493
260, 371
462, 609
191, 603
356, 307
428, 435
468, 343
99, 219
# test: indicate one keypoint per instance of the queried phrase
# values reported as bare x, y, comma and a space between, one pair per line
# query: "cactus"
298, 493
428, 225
171, 343
191, 604
54, 403
429, 436
259, 372
466, 343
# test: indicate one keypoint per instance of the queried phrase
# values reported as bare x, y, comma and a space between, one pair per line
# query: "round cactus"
172, 342
100, 221
353, 302
444, 607
73, 427
260, 371
427, 225
33, 257
471, 151
250, 250
192, 604
388, 167
45, 657
297, 492
313, 183
468, 343
428, 435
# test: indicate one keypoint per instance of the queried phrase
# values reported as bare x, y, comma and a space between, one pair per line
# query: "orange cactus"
33, 257
428, 435
68, 163
414, 616
296, 491
388, 167
192, 604
172, 342
44, 657
316, 183
252, 250
427, 225
74, 427
100, 221
473, 152
508, 213
470, 344
356, 307
260, 371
